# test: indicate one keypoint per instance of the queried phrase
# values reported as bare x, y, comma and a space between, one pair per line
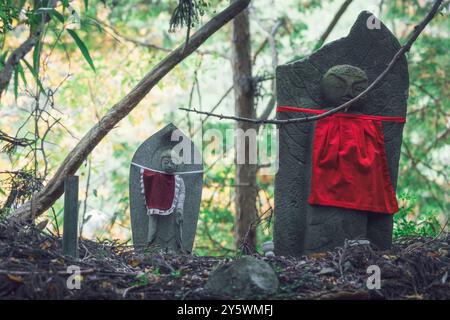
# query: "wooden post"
70, 232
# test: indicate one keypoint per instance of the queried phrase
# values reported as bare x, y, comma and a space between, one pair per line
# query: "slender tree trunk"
246, 189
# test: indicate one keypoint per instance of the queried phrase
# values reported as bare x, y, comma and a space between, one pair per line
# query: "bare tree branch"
55, 187
200, 127
400, 53
21, 142
333, 23
115, 34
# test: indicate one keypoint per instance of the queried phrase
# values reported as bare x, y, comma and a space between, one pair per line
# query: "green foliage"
141, 280
35, 75
424, 164
156, 271
176, 273
409, 224
187, 13
8, 13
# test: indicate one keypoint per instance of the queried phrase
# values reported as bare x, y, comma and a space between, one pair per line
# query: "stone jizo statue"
337, 176
165, 192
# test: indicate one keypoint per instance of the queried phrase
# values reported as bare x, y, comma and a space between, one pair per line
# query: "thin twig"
56, 222
86, 195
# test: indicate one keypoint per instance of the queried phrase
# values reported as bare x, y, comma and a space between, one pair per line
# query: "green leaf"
35, 75
22, 74
86, 3
2, 59
36, 56
84, 50
55, 14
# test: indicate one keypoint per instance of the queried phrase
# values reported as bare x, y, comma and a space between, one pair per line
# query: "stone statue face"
342, 83
167, 165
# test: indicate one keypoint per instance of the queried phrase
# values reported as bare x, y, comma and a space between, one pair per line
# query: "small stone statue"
165, 191
163, 184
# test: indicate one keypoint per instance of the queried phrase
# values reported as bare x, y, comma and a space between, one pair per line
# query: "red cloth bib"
159, 189
349, 164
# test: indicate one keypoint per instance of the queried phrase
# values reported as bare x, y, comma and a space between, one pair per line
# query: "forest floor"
32, 266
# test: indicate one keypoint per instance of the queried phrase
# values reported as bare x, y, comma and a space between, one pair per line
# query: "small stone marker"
165, 191
70, 232
318, 207
267, 248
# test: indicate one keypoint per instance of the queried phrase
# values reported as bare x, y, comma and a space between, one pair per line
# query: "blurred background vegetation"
92, 53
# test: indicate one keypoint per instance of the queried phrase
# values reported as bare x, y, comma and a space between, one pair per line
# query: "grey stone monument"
167, 153
301, 228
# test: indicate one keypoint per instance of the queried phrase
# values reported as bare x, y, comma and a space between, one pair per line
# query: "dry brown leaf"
15, 278
414, 297
433, 254
58, 261
317, 255
46, 245
134, 262
41, 225
106, 285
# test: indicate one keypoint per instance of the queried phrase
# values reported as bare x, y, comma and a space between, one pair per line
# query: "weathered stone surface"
147, 155
244, 278
300, 228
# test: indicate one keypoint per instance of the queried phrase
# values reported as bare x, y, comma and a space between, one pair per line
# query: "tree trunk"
246, 189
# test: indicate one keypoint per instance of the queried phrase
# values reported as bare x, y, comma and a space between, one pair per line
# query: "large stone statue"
337, 176
165, 192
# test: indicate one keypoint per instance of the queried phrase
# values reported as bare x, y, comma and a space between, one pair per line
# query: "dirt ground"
32, 266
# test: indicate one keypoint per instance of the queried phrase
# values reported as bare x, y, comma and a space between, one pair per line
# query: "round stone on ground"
244, 278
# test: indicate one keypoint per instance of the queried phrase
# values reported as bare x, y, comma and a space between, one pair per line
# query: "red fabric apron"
349, 165
159, 189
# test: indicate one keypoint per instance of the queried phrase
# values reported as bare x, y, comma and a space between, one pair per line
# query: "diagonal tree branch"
333, 23
21, 142
400, 53
55, 187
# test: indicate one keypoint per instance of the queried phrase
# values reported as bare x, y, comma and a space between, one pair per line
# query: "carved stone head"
167, 162
342, 83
